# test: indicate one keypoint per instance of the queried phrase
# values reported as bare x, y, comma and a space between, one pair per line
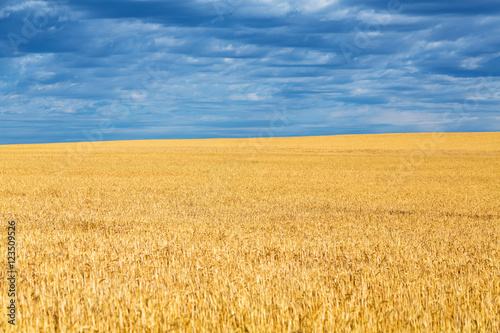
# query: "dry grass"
374, 233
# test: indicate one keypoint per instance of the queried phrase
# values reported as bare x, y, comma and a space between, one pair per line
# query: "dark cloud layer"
75, 70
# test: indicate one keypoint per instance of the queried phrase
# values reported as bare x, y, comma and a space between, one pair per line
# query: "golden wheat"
372, 233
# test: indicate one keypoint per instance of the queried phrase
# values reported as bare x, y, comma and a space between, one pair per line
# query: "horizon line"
246, 138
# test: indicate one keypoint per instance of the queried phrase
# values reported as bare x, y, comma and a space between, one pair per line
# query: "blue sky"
78, 70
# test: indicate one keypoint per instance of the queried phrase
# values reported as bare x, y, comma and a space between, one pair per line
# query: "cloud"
164, 69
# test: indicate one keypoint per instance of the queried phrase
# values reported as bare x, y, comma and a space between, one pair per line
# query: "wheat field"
354, 233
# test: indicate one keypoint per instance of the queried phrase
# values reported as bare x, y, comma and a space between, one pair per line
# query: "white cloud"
26, 5
254, 97
168, 41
